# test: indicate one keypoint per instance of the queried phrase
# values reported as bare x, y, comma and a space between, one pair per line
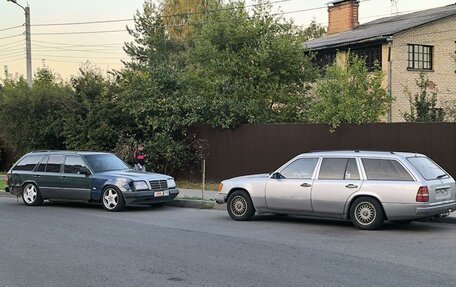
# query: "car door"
290, 188
338, 178
74, 185
48, 176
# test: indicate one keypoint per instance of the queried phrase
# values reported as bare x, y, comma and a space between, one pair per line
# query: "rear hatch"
441, 185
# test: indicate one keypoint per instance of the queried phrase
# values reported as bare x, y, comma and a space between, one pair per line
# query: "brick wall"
440, 34
343, 17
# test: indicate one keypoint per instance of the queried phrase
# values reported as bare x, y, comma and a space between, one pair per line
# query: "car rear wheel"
31, 195
366, 213
112, 199
240, 206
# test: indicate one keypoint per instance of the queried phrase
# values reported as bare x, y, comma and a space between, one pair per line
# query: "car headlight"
220, 187
171, 183
141, 185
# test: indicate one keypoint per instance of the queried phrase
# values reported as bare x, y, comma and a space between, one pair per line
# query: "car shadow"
414, 226
98, 206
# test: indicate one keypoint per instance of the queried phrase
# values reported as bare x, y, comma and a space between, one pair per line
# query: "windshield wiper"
442, 175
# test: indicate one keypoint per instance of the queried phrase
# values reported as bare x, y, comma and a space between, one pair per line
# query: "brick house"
402, 45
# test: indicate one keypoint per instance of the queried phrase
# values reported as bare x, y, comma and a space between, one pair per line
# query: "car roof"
361, 153
65, 152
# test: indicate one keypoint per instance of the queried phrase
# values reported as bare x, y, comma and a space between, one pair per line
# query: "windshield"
105, 162
427, 168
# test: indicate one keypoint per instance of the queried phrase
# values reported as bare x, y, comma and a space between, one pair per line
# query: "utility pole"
28, 41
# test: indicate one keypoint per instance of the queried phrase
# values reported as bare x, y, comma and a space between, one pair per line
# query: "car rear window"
28, 163
385, 169
427, 168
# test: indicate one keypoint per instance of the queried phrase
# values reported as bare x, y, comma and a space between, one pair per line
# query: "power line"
83, 23
83, 57
79, 45
76, 62
11, 43
81, 32
13, 36
13, 60
11, 28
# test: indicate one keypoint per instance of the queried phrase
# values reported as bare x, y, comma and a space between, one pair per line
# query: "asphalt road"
82, 245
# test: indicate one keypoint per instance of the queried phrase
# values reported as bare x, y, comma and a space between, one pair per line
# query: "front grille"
158, 184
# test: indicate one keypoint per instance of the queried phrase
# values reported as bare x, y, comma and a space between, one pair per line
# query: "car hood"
253, 176
135, 175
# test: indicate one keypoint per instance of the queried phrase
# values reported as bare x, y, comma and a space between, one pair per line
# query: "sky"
64, 53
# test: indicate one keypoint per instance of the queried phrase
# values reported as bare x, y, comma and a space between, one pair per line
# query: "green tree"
181, 17
349, 94
96, 121
33, 118
151, 96
248, 67
423, 105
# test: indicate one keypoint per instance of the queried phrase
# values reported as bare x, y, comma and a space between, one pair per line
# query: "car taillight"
423, 194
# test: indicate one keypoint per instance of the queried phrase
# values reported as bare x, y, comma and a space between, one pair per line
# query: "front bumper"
220, 198
148, 197
436, 209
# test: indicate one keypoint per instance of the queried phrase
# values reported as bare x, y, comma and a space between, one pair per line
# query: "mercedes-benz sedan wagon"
365, 187
86, 176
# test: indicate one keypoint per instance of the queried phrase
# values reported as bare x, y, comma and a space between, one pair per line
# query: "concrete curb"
191, 203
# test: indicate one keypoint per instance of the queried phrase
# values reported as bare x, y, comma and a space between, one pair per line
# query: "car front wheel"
31, 195
366, 213
240, 206
112, 199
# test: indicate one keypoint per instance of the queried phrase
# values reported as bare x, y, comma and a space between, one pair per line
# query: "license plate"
441, 193
161, 193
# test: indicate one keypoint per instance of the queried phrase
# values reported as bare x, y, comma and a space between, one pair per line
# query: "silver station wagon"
364, 187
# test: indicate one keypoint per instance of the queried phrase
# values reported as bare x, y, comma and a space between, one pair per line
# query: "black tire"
402, 221
112, 199
366, 213
240, 206
31, 195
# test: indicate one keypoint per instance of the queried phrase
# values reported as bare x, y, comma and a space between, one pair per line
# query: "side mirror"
85, 171
277, 175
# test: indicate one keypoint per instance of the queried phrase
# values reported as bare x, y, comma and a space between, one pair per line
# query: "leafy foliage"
350, 94
423, 105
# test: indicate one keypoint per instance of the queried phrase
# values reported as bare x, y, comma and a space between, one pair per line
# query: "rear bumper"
436, 210
148, 197
397, 211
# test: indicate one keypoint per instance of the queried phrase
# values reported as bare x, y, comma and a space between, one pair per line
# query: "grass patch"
196, 185
2, 182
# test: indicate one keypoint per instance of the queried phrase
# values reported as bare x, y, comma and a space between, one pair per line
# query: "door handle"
36, 176
305, 184
351, 186
63, 178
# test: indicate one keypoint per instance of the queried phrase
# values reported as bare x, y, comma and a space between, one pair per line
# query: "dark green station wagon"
86, 176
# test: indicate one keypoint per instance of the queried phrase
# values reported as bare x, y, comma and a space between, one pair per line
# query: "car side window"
339, 169
28, 163
54, 163
385, 169
42, 166
302, 168
73, 164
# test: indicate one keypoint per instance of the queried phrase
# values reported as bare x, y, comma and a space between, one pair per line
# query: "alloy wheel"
30, 194
110, 198
365, 213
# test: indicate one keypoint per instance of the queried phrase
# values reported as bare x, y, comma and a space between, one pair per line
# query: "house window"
419, 57
325, 59
372, 56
